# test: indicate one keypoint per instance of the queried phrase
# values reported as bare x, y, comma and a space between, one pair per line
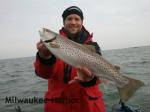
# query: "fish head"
47, 35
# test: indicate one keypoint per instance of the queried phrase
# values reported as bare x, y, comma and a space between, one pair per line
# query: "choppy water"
17, 78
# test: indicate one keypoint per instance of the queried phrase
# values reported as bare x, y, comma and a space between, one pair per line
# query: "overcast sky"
115, 23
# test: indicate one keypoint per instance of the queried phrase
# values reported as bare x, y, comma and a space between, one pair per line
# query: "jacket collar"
82, 37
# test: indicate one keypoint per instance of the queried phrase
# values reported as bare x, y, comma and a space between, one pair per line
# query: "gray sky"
115, 23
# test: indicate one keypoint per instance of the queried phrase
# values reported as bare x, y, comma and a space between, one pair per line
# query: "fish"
76, 54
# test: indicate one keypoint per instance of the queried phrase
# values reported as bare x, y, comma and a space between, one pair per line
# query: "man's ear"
82, 23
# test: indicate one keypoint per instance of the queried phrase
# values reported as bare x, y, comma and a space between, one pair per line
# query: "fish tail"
129, 89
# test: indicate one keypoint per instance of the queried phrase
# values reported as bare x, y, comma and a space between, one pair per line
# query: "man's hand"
43, 51
84, 75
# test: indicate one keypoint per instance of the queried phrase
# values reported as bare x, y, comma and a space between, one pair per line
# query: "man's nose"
73, 21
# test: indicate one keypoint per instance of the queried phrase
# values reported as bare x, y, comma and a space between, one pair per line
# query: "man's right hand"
43, 51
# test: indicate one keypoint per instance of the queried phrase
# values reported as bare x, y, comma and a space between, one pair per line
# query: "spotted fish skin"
79, 55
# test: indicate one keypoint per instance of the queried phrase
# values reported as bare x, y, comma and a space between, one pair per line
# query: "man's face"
73, 23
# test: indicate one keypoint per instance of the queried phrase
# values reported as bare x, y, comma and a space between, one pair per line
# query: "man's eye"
77, 19
69, 19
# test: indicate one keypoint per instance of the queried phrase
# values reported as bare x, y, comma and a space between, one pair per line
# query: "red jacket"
64, 97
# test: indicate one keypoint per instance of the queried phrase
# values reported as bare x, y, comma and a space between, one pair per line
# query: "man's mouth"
73, 28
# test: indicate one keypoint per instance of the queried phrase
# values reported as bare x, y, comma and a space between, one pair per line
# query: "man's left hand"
84, 75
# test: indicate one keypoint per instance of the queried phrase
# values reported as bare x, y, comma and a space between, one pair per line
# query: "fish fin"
106, 83
90, 47
129, 89
54, 45
117, 67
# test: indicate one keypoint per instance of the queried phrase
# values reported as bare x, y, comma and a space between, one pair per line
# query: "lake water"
18, 80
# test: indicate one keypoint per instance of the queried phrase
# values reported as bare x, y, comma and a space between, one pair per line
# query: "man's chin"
73, 32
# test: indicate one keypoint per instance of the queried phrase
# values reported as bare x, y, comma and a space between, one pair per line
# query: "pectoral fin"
105, 83
117, 67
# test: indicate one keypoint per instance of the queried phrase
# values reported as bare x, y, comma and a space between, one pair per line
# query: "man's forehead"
73, 16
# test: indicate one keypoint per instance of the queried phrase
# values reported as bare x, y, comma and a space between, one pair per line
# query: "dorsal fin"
117, 67
90, 47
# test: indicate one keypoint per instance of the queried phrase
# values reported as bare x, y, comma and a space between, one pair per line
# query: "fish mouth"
43, 32
50, 40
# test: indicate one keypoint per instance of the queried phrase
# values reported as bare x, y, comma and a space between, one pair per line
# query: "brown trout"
76, 54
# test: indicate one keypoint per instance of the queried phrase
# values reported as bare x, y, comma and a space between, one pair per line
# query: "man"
68, 92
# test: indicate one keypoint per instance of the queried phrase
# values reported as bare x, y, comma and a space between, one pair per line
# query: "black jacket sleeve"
97, 48
48, 62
